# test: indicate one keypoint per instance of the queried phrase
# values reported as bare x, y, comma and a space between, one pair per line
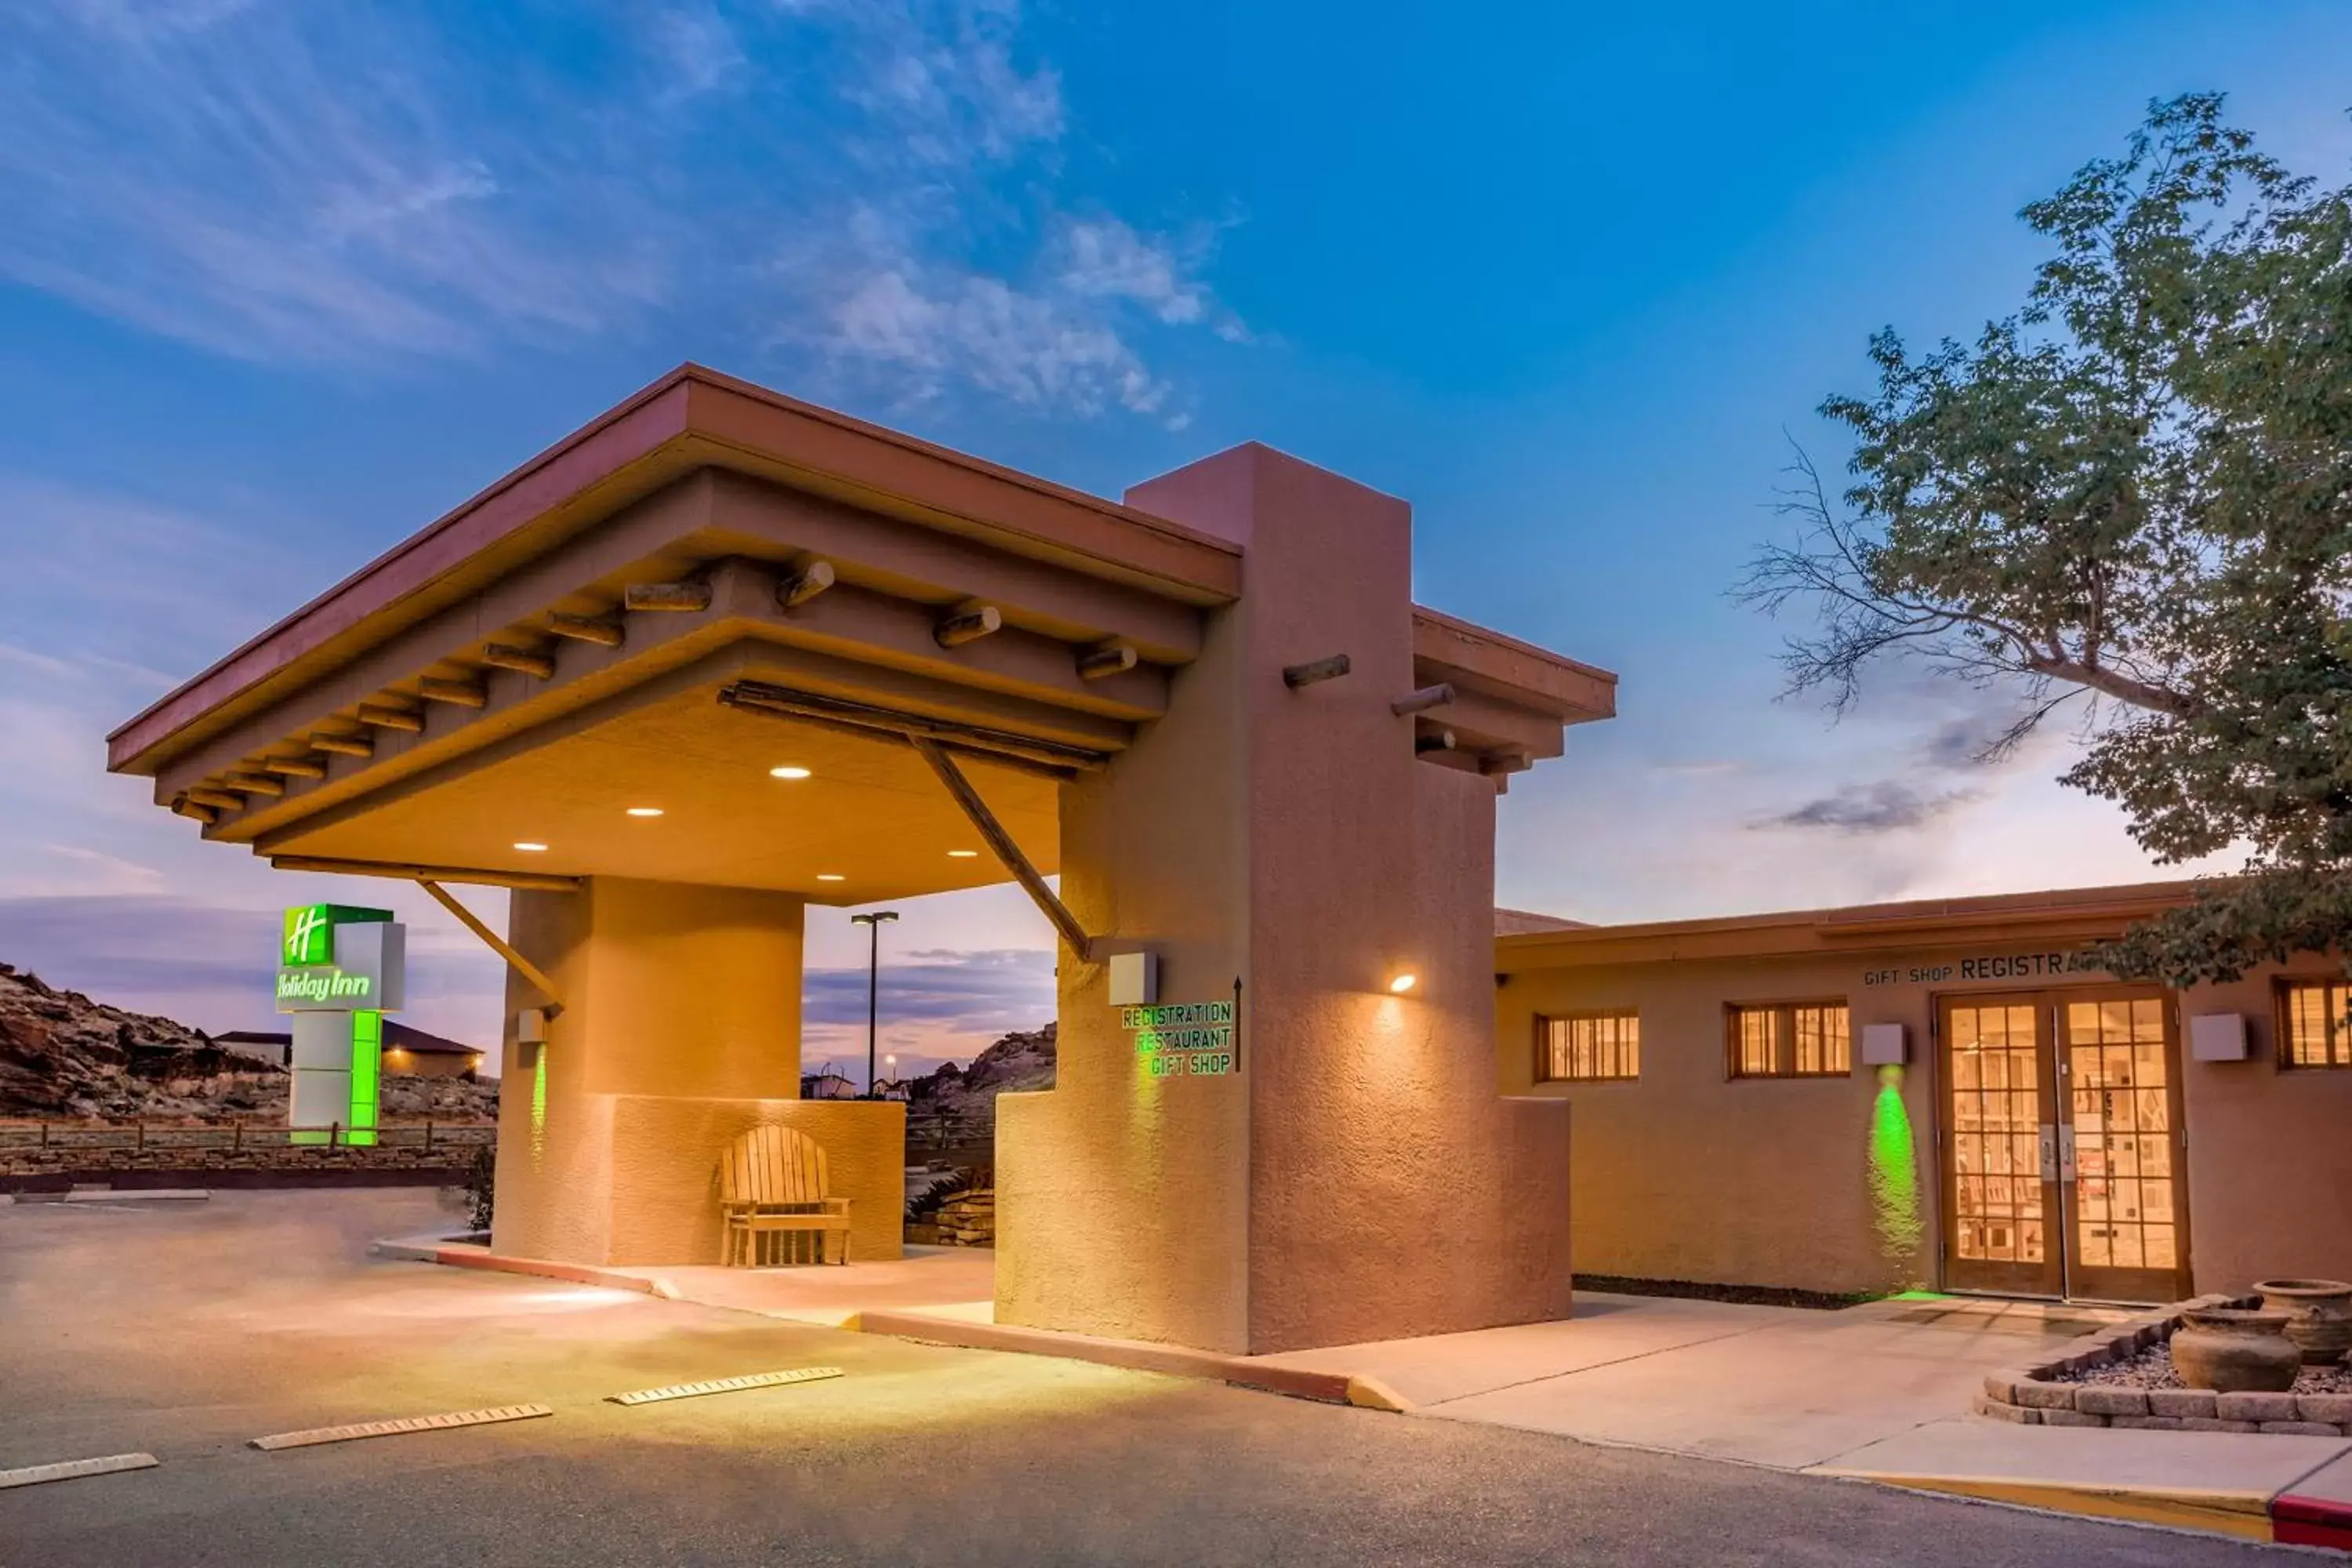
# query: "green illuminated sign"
338, 958
332, 985
1179, 1040
310, 935
339, 970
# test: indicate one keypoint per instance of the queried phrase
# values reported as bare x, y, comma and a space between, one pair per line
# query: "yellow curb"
2245, 1515
1371, 1393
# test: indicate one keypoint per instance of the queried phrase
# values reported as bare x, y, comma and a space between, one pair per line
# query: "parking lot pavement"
184, 1332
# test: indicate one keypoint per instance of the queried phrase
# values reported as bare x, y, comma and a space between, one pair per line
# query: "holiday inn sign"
340, 959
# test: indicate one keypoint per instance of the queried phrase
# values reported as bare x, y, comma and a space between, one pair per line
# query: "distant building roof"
1519, 922
397, 1037
400, 1037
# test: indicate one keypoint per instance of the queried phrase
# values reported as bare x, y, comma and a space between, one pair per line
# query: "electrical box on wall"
2217, 1038
1134, 979
1885, 1044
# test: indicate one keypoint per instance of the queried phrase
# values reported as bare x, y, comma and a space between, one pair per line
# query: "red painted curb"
1135, 1355
2311, 1521
571, 1273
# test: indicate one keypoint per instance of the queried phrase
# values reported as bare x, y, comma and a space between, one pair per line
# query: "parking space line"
725, 1385
395, 1428
71, 1470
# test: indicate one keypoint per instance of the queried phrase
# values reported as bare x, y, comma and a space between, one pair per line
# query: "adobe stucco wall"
1359, 1178
1121, 1199
681, 1029
1689, 1174
672, 1211
2270, 1149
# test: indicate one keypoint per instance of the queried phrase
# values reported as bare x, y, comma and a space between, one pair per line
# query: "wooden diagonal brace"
1001, 842
498, 944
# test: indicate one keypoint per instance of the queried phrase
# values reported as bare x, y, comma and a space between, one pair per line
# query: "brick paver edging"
2032, 1397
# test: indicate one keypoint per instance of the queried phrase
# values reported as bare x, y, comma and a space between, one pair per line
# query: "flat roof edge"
1853, 927
631, 431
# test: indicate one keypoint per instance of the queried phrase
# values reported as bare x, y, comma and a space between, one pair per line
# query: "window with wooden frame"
1788, 1040
1588, 1048
2313, 1029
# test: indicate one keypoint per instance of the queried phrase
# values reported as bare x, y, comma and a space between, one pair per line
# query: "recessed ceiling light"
830, 876
527, 845
963, 854
788, 772
645, 811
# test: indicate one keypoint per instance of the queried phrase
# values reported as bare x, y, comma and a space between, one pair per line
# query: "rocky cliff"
63, 1056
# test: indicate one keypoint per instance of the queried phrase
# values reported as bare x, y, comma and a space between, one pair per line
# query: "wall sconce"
1402, 980
2217, 1038
1885, 1045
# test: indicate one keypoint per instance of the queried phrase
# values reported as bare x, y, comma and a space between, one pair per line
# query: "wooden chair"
771, 1190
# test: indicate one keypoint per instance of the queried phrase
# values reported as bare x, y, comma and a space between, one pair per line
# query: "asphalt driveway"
184, 1331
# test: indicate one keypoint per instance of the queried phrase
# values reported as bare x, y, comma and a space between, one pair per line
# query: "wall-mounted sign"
1179, 1040
1987, 966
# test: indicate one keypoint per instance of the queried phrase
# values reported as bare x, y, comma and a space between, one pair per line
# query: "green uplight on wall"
1894, 1173
539, 1102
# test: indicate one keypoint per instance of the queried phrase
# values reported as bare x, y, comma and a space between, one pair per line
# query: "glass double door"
2062, 1155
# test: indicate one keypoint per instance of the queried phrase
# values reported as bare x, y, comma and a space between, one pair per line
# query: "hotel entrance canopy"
721, 655
552, 655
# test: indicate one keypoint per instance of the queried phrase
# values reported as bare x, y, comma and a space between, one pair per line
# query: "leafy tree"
2135, 495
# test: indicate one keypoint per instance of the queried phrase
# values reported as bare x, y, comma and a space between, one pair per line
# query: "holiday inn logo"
309, 931
309, 937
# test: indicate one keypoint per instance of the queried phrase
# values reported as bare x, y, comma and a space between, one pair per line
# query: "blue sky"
281, 281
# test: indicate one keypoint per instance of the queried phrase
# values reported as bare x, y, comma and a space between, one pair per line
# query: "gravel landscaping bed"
2152, 1368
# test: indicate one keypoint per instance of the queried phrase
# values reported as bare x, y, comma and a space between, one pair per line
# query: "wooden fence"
139, 1137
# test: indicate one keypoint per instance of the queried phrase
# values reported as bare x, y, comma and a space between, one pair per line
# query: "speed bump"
726, 1385
394, 1429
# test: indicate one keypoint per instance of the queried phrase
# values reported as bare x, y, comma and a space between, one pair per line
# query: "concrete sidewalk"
1877, 1393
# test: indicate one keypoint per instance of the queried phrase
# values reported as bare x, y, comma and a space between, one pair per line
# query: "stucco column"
1358, 1178
674, 995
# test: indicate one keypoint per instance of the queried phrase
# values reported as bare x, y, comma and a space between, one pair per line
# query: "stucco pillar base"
679, 1031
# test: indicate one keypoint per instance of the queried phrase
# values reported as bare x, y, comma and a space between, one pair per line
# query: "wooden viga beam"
533, 882
1007, 851
523, 966
1002, 747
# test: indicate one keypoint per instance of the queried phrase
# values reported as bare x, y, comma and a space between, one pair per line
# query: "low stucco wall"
665, 1171
693, 992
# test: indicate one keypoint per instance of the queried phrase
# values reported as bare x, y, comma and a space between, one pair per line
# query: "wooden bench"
772, 1195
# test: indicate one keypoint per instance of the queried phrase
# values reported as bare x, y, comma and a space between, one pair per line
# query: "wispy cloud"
282, 182
872, 187
1889, 806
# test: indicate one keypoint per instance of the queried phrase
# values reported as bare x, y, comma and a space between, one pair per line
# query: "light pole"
873, 924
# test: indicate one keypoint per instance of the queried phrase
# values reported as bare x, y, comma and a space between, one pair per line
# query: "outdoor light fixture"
963, 854
788, 772
1403, 981
528, 846
645, 811
830, 876
873, 921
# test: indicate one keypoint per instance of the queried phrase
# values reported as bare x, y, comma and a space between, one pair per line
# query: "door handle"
2049, 1153
2066, 1152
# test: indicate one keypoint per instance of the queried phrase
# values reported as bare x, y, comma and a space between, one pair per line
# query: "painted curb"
1371, 1393
2243, 1514
1134, 1355
2298, 1520
541, 1267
